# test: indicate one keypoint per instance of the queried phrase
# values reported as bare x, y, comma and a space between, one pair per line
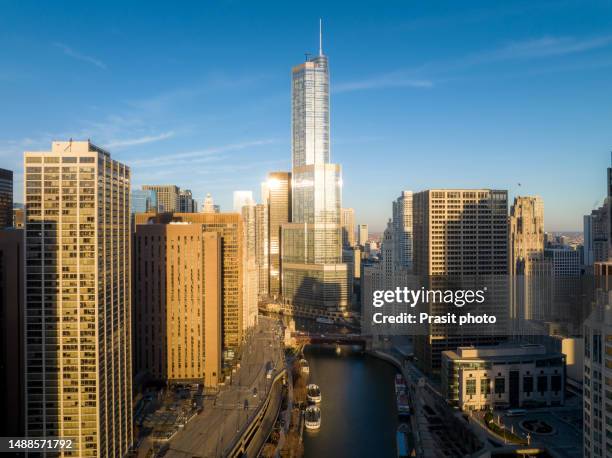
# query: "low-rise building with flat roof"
503, 376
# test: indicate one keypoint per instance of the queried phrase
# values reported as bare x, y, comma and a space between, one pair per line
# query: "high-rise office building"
209, 206
459, 234
178, 303
229, 227
347, 220
388, 252
144, 201
187, 204
313, 273
526, 232
262, 254
597, 427
12, 423
250, 270
597, 418
382, 273
78, 378
362, 236
167, 196
242, 198
372, 279
565, 261
608, 203
596, 236
402, 231
378, 275
351, 256
276, 192
530, 272
372, 248
6, 198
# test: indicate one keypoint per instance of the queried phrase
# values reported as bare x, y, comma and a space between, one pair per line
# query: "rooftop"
500, 352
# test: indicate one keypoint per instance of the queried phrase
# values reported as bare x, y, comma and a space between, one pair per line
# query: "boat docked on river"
313, 393
312, 418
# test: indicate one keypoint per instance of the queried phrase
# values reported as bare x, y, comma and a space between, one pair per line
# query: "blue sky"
424, 94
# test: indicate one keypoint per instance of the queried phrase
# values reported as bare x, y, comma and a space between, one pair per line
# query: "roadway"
212, 432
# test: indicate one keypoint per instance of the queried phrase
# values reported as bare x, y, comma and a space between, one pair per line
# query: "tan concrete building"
362, 235
178, 302
504, 376
530, 271
78, 379
597, 371
208, 206
276, 193
262, 252
168, 196
250, 269
526, 229
459, 234
347, 220
229, 227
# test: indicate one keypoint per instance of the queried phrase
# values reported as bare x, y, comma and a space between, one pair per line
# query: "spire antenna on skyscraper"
320, 36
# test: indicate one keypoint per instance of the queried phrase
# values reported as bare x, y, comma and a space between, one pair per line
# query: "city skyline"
208, 279
503, 101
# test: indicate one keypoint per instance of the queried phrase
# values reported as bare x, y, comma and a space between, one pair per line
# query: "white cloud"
204, 155
139, 141
388, 80
535, 48
546, 46
67, 50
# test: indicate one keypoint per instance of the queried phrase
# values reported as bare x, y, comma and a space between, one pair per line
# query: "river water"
358, 410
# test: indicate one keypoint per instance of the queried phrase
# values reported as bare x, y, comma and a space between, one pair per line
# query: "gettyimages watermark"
411, 298
415, 300
478, 305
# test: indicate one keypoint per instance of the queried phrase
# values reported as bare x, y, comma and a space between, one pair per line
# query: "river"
358, 411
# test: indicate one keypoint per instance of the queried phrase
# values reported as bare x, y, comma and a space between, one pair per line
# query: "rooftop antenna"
320, 36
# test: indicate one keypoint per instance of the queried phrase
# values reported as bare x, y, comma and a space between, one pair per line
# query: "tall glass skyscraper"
313, 273
144, 200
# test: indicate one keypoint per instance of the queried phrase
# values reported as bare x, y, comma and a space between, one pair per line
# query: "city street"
215, 429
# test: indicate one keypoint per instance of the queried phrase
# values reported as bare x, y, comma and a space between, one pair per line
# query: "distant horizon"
371, 229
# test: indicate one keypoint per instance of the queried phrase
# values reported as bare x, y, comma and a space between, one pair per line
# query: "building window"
500, 385
555, 383
470, 387
542, 383
528, 384
485, 386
